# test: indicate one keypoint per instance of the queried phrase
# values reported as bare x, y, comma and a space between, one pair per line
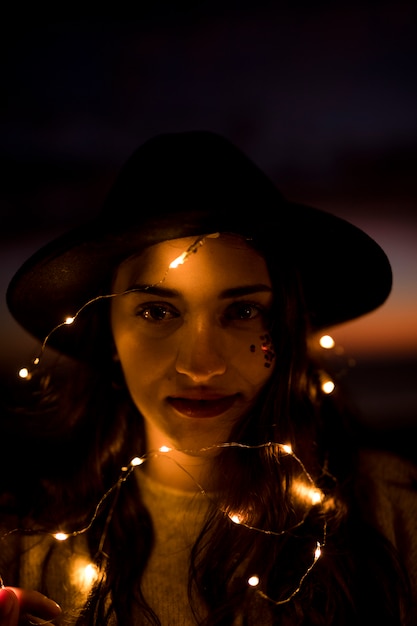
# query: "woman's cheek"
254, 359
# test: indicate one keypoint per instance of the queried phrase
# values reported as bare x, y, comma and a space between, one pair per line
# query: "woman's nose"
200, 356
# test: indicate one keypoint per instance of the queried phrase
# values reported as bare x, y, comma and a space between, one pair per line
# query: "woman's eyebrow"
154, 290
245, 290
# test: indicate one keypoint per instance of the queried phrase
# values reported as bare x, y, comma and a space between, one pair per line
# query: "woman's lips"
202, 407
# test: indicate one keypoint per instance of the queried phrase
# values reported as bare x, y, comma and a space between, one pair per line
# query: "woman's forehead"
215, 254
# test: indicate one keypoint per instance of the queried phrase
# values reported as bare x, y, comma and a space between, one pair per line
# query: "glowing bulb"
326, 342
83, 573
165, 449
316, 496
235, 518
178, 261
327, 386
193, 248
317, 551
89, 574
136, 461
61, 536
253, 581
69, 320
24, 373
287, 448
307, 492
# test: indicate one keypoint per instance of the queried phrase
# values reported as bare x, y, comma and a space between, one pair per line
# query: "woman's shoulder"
387, 488
387, 496
395, 474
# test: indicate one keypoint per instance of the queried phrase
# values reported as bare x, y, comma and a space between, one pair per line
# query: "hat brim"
344, 272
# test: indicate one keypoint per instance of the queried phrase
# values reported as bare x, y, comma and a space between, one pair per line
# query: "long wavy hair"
86, 407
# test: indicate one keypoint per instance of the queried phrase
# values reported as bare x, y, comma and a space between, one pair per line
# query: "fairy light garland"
89, 569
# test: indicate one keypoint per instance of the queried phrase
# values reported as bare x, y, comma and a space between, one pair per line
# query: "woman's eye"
157, 312
243, 311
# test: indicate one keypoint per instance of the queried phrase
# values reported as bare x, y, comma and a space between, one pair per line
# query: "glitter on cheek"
268, 349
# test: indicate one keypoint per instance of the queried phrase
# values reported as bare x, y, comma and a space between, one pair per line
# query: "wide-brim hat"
192, 183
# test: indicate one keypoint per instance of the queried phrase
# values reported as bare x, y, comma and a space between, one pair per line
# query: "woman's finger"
9, 608
15, 601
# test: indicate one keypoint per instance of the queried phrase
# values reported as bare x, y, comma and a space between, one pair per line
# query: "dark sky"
322, 95
309, 92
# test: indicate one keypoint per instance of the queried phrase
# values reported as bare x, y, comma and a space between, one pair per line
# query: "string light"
61, 536
191, 250
254, 580
333, 358
24, 373
327, 386
326, 342
309, 493
86, 572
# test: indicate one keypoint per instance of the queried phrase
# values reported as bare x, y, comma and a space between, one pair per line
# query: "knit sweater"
177, 517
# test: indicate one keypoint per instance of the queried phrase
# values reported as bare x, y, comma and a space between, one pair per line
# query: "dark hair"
356, 580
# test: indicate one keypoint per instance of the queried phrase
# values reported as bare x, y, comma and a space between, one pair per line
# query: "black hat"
193, 183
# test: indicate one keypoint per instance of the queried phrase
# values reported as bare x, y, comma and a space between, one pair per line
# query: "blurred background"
322, 95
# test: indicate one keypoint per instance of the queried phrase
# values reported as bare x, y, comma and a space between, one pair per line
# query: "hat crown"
194, 171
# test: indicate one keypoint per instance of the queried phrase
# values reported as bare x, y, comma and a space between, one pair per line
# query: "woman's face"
193, 340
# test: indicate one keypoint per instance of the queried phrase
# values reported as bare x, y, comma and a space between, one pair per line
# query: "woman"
185, 449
